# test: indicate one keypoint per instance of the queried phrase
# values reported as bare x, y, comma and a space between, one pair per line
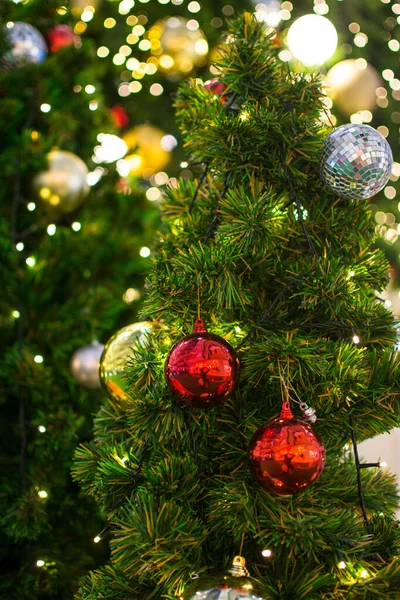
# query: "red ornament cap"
286, 412
202, 369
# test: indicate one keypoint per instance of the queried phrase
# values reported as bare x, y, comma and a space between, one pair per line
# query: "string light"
342, 564
40, 563
145, 252
364, 574
15, 314
97, 539
42, 494
356, 339
31, 261
312, 39
383, 464
42, 428
51, 229
20, 246
76, 226
266, 553
45, 108
156, 89
38, 359
153, 194
131, 295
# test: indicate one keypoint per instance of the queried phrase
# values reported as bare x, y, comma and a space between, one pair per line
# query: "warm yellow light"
40, 563
156, 89
42, 494
153, 194
312, 39
135, 87
42, 428
364, 574
131, 295
110, 23
15, 314
45, 193
97, 539
38, 358
20, 246
31, 262
51, 229
31, 206
356, 339
76, 226
266, 553
342, 564
166, 61
45, 107
103, 51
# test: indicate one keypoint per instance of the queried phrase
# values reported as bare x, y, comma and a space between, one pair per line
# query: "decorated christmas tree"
264, 356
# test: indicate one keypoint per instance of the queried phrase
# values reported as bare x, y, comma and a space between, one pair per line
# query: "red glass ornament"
286, 455
61, 36
119, 116
216, 87
202, 369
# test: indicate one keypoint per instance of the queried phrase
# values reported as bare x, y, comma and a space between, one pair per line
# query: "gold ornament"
115, 355
63, 186
177, 47
351, 84
149, 156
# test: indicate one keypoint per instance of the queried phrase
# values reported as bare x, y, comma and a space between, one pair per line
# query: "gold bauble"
149, 156
351, 84
63, 186
115, 356
177, 47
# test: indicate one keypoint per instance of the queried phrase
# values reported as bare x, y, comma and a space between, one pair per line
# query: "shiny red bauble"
202, 369
61, 36
217, 87
286, 455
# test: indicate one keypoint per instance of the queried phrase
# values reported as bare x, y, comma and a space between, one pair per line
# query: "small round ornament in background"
146, 155
227, 585
64, 185
286, 456
312, 39
85, 365
116, 353
216, 87
202, 369
119, 116
177, 46
61, 36
351, 85
28, 46
356, 161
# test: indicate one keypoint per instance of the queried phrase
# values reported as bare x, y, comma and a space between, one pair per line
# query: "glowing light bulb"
383, 464
266, 553
40, 563
312, 39
20, 246
364, 574
45, 107
15, 314
97, 539
51, 229
42, 494
342, 564
111, 148
31, 206
38, 359
31, 261
76, 226
42, 428
145, 252
356, 339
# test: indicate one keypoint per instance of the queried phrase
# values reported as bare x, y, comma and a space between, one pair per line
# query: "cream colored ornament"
177, 46
63, 186
352, 84
148, 156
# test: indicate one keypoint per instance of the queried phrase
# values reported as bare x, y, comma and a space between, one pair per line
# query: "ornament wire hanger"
308, 412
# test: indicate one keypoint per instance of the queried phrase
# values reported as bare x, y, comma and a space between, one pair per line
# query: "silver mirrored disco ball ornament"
356, 161
85, 365
235, 584
28, 46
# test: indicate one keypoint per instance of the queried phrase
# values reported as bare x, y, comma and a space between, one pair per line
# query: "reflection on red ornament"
217, 87
61, 36
202, 369
286, 455
119, 116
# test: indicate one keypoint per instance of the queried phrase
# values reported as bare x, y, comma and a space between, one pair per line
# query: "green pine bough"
287, 274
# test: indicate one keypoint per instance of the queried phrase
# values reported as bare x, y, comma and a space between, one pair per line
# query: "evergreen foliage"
286, 273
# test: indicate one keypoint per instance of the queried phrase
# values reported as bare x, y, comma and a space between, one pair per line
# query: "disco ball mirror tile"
356, 161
